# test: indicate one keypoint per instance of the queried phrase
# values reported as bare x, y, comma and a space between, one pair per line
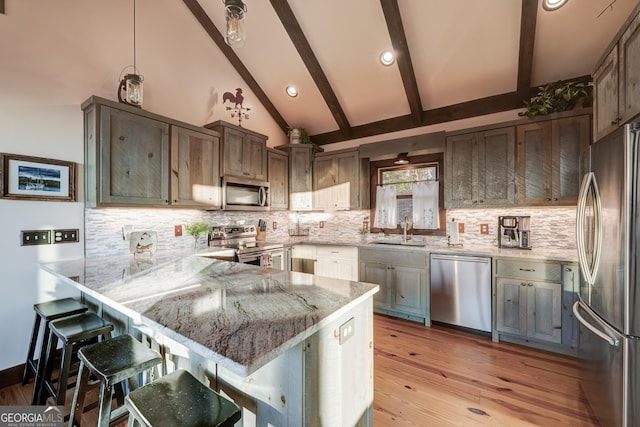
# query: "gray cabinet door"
243, 154
544, 314
300, 177
372, 272
134, 163
570, 137
534, 163
409, 289
629, 69
278, 171
496, 159
254, 157
348, 184
605, 96
459, 169
195, 169
511, 306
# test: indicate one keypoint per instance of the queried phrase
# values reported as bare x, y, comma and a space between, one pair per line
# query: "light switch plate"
461, 227
484, 228
35, 237
66, 236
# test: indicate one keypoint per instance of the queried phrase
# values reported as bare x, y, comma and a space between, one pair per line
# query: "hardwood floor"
443, 377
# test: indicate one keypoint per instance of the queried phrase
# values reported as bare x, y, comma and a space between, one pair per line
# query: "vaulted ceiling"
455, 58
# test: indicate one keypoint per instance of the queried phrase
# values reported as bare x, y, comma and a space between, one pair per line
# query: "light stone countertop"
535, 254
237, 315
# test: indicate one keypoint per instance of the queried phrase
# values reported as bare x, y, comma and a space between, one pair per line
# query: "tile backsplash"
551, 227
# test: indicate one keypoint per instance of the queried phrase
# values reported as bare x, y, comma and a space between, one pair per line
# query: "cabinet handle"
531, 270
523, 284
529, 284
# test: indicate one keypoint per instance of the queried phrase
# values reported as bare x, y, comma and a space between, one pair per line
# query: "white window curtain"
386, 207
425, 205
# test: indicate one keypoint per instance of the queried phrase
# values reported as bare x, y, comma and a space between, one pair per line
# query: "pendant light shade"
402, 159
235, 12
130, 87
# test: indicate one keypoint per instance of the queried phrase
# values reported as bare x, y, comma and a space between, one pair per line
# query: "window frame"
415, 161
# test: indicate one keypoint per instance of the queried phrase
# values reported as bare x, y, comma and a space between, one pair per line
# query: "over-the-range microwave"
244, 194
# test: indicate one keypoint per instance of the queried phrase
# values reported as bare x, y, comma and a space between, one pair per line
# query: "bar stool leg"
32, 349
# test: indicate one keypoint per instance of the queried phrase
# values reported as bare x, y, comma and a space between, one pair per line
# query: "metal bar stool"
178, 399
111, 362
47, 312
74, 331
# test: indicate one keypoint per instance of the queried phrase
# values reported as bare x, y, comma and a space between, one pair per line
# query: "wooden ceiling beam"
528, 21
2, 7
291, 25
401, 49
215, 35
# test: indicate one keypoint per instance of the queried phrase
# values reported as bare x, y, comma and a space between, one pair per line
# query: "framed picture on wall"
37, 178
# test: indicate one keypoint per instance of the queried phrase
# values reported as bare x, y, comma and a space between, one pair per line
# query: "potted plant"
197, 230
301, 134
556, 97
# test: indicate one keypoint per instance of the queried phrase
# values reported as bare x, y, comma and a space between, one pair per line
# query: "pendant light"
402, 159
234, 13
130, 88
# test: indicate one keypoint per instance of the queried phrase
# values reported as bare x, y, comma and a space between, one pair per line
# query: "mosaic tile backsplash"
552, 227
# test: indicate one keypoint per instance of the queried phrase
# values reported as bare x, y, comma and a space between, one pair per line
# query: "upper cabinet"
340, 181
548, 166
300, 176
244, 152
136, 158
616, 89
195, 169
278, 171
480, 169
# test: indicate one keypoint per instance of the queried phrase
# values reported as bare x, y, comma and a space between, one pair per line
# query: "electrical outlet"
66, 236
321, 224
347, 330
177, 230
461, 227
484, 228
274, 225
35, 237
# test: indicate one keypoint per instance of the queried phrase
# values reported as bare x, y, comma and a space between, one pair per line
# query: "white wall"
50, 132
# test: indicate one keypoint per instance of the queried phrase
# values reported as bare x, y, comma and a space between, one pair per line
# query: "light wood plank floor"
444, 377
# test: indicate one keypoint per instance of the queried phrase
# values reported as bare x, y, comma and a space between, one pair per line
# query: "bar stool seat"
74, 331
179, 399
46, 312
111, 362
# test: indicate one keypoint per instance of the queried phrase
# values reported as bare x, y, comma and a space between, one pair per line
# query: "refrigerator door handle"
613, 341
589, 270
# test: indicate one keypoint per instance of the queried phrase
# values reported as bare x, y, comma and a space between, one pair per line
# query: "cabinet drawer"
529, 270
304, 251
339, 252
400, 257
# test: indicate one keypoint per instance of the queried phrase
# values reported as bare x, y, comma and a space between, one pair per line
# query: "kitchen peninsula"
290, 348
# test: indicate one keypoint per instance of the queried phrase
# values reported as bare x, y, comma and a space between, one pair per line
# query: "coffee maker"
514, 232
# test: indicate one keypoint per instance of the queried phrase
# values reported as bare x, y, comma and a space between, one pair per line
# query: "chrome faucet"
405, 226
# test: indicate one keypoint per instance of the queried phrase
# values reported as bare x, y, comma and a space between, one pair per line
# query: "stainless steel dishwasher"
461, 291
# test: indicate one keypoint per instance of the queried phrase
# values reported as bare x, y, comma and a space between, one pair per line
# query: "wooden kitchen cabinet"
340, 181
126, 158
548, 154
528, 301
243, 152
195, 169
300, 176
616, 82
137, 158
338, 262
403, 280
278, 177
480, 169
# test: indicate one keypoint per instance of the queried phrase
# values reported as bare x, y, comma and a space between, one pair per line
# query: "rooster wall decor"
237, 110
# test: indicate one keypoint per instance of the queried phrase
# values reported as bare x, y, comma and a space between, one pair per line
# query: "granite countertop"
535, 254
237, 315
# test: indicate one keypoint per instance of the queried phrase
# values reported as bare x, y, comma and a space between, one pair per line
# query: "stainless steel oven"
246, 249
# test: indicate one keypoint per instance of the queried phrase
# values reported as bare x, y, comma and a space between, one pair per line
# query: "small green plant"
197, 230
556, 97
306, 139
363, 231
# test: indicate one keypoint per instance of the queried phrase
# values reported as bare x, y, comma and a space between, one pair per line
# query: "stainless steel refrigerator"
608, 237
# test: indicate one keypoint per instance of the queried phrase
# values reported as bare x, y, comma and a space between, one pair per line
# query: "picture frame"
37, 178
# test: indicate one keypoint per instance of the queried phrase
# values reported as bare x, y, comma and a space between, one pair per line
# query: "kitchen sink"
401, 243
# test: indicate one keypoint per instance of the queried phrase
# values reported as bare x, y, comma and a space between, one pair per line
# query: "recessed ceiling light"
292, 91
387, 58
553, 4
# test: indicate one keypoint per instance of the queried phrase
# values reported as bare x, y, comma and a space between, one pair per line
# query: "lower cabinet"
338, 262
533, 301
403, 280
